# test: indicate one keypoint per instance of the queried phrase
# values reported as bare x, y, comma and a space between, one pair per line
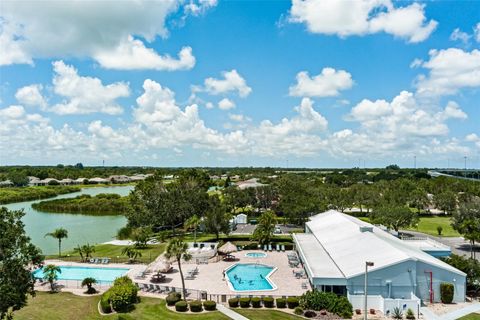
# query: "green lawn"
429, 225
266, 314
66, 306
109, 250
471, 316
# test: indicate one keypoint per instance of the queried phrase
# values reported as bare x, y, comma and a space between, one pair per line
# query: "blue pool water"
80, 273
250, 277
256, 255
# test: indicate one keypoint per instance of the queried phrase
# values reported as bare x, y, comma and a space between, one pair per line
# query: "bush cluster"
281, 303
173, 298
105, 303
317, 300
446, 292
196, 306
298, 311
245, 302
209, 305
268, 302
256, 302
292, 302
233, 302
121, 296
181, 306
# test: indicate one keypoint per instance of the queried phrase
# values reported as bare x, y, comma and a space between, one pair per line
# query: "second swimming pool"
80, 273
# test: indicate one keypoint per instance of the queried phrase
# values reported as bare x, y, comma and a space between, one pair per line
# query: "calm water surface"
81, 228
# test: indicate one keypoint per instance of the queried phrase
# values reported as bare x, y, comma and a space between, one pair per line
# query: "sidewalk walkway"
230, 313
429, 315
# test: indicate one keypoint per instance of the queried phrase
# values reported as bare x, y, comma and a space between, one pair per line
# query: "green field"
18, 194
266, 314
429, 226
111, 251
66, 306
471, 316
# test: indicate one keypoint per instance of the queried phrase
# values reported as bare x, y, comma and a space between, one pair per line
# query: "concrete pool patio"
210, 276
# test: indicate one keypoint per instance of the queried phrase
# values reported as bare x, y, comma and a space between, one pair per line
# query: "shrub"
256, 302
196, 306
209, 305
358, 311
397, 313
233, 302
410, 314
181, 306
439, 230
446, 292
268, 302
281, 303
292, 302
245, 302
105, 303
317, 300
298, 311
122, 295
310, 314
173, 298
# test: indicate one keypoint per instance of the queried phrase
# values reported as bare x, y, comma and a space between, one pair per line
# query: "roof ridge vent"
366, 229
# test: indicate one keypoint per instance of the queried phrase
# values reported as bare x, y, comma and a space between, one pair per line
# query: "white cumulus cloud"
31, 96
232, 82
347, 18
449, 71
85, 95
114, 35
226, 104
326, 84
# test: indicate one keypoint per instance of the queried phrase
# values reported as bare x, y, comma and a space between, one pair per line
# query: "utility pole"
365, 311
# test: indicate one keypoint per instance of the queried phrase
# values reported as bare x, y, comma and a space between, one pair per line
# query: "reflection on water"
81, 228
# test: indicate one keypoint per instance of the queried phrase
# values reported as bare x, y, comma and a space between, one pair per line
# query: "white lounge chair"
283, 247
277, 247
269, 247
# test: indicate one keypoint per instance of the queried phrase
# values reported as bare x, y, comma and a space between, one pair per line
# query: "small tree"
192, 223
446, 292
217, 219
178, 249
50, 274
88, 250
266, 225
439, 230
466, 220
89, 282
140, 236
58, 234
131, 253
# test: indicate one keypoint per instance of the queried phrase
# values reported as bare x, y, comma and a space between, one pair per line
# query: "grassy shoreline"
100, 205
20, 194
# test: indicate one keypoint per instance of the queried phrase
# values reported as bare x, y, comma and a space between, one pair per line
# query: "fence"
75, 284
385, 305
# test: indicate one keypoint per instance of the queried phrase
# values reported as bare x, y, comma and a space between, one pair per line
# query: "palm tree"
89, 282
266, 225
178, 249
59, 234
50, 274
131, 253
193, 222
88, 250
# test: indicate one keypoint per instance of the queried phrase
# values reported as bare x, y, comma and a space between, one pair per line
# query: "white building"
241, 218
336, 247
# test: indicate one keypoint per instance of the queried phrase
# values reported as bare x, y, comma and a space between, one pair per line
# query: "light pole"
367, 264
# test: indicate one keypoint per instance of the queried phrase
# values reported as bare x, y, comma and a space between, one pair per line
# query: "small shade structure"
227, 248
166, 267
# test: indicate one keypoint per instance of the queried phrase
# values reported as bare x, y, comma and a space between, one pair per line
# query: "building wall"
439, 276
401, 278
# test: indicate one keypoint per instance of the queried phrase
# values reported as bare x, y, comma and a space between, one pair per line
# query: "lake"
81, 228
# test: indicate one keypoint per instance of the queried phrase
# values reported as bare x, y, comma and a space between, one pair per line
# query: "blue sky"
240, 83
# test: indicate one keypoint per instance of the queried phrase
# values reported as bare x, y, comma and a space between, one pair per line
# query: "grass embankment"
112, 251
266, 314
18, 194
66, 306
429, 226
100, 205
471, 316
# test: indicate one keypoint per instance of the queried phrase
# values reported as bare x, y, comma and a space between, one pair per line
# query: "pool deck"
210, 278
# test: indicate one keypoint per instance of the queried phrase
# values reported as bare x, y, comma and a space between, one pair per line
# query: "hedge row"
268, 302
195, 306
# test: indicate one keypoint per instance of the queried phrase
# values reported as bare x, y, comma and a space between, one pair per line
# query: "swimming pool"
256, 255
250, 277
104, 275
